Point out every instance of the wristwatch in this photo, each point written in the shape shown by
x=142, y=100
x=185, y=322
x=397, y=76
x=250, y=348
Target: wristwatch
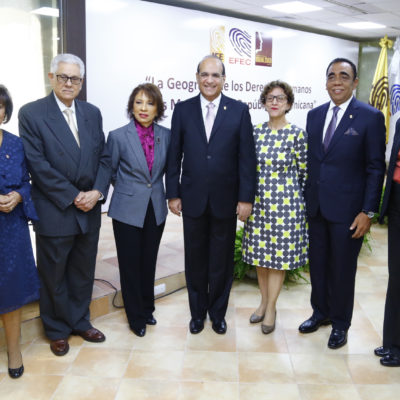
x=370, y=214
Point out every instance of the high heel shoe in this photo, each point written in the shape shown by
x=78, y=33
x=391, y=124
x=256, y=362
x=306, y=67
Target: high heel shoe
x=254, y=318
x=15, y=372
x=266, y=329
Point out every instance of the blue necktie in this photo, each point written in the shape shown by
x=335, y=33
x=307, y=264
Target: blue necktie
x=331, y=128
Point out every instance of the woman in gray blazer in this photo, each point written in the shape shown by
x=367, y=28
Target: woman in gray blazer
x=138, y=206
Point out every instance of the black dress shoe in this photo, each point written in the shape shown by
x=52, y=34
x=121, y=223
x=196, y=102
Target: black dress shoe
x=381, y=351
x=219, y=327
x=312, y=324
x=196, y=325
x=390, y=360
x=338, y=338
x=16, y=372
x=151, y=321
x=139, y=331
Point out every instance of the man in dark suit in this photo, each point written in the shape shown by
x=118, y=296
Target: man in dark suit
x=390, y=351
x=211, y=176
x=70, y=168
x=346, y=166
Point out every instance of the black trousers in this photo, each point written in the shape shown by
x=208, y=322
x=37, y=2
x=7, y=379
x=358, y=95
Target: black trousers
x=209, y=248
x=66, y=267
x=137, y=250
x=333, y=264
x=391, y=323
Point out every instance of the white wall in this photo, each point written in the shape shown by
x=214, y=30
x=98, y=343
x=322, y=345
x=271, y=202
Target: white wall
x=129, y=42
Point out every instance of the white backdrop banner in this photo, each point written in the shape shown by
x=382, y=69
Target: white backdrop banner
x=131, y=42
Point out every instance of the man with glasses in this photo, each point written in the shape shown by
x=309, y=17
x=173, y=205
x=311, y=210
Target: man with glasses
x=346, y=166
x=211, y=177
x=70, y=168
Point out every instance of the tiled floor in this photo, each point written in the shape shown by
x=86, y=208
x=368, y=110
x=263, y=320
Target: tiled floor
x=170, y=363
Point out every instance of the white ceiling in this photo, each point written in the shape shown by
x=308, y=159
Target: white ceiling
x=386, y=12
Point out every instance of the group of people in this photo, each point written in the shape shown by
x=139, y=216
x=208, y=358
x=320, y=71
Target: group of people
x=302, y=195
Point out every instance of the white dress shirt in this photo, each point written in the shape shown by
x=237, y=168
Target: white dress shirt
x=342, y=110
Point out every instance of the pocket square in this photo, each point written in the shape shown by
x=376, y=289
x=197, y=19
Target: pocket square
x=351, y=132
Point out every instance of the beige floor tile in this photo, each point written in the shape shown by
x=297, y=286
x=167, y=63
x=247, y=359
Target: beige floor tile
x=209, y=391
x=163, y=365
x=291, y=318
x=366, y=369
x=172, y=314
x=132, y=389
x=269, y=391
x=100, y=362
x=320, y=369
x=265, y=367
x=86, y=388
x=210, y=366
x=38, y=359
x=32, y=387
x=208, y=340
x=252, y=339
x=310, y=343
x=379, y=392
x=162, y=338
x=329, y=392
x=246, y=298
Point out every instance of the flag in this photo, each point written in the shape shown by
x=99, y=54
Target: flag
x=379, y=96
x=394, y=92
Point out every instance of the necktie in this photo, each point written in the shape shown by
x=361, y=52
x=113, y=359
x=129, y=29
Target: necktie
x=331, y=128
x=210, y=117
x=68, y=112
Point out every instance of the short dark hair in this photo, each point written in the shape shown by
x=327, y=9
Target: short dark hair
x=6, y=100
x=343, y=60
x=211, y=56
x=284, y=86
x=153, y=93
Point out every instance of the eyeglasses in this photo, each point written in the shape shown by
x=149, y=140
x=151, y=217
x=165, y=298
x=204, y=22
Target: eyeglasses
x=75, y=80
x=280, y=99
x=206, y=75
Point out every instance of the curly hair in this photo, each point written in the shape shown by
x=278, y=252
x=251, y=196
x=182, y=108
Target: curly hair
x=280, y=84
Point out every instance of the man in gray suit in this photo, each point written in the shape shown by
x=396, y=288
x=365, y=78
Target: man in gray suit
x=70, y=168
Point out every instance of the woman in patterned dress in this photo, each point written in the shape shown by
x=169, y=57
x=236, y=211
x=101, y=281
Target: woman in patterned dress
x=275, y=238
x=19, y=282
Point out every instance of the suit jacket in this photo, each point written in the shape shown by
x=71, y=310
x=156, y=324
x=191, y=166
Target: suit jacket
x=389, y=178
x=60, y=169
x=221, y=171
x=134, y=186
x=348, y=177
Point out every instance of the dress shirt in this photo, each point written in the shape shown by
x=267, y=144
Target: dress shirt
x=342, y=110
x=63, y=107
x=204, y=102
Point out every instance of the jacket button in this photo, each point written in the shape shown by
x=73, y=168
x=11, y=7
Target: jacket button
x=149, y=185
x=208, y=157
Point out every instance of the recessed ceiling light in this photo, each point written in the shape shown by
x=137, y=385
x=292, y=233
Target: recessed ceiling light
x=362, y=25
x=48, y=11
x=293, y=7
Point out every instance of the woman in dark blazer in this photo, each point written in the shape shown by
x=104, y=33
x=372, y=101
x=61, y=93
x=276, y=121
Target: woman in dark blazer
x=138, y=206
x=19, y=282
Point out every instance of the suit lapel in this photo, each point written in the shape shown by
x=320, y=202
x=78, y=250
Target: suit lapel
x=59, y=126
x=198, y=119
x=132, y=138
x=221, y=114
x=84, y=132
x=320, y=130
x=349, y=116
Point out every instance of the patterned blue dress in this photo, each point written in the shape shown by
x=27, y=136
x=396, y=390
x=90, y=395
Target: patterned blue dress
x=19, y=282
